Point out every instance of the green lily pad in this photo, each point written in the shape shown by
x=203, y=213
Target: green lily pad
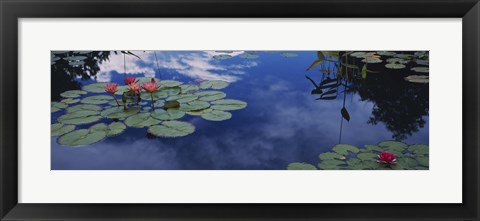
x=249, y=56
x=70, y=101
x=331, y=164
x=80, y=117
x=169, y=114
x=170, y=83
x=419, y=149
x=142, y=80
x=58, y=105
x=171, y=104
x=122, y=89
x=59, y=129
x=397, y=60
x=289, y=55
x=159, y=103
x=199, y=112
x=222, y=56
x=183, y=98
x=405, y=163
x=331, y=156
x=97, y=99
x=301, y=166
x=99, y=127
x=214, y=84
x=80, y=107
x=422, y=79
x=119, y=112
x=420, y=69
x=404, y=56
x=73, y=93
x=367, y=156
x=374, y=148
x=185, y=88
x=141, y=120
x=161, y=93
x=395, y=66
x=345, y=148
x=115, y=128
x=423, y=161
x=194, y=106
x=81, y=137
x=210, y=95
x=75, y=58
x=386, y=53
x=172, y=129
x=356, y=164
x=95, y=87
x=422, y=62
x=216, y=115
x=372, y=60
x=395, y=147
x=228, y=104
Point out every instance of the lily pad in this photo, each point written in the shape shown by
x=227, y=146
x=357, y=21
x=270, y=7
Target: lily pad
x=97, y=99
x=289, y=55
x=120, y=112
x=80, y=107
x=185, y=88
x=142, y=80
x=70, y=101
x=158, y=103
x=121, y=89
x=356, y=164
x=301, y=166
x=420, y=69
x=395, y=147
x=397, y=60
x=171, y=104
x=194, y=106
x=374, y=148
x=216, y=115
x=418, y=149
x=386, y=53
x=403, y=163
x=423, y=161
x=422, y=79
x=222, y=56
x=183, y=98
x=80, y=117
x=372, y=60
x=115, y=128
x=59, y=129
x=170, y=83
x=161, y=93
x=141, y=120
x=331, y=164
x=228, y=104
x=404, y=56
x=422, y=62
x=331, y=156
x=367, y=156
x=210, y=95
x=395, y=66
x=81, y=137
x=99, y=127
x=172, y=129
x=169, y=114
x=214, y=84
x=59, y=105
x=345, y=148
x=95, y=87
x=73, y=93
x=200, y=112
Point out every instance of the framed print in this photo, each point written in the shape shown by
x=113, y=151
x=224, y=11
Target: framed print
x=239, y=110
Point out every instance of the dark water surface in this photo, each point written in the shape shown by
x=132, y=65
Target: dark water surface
x=283, y=123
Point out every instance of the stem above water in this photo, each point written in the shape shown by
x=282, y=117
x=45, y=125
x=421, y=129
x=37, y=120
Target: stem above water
x=153, y=105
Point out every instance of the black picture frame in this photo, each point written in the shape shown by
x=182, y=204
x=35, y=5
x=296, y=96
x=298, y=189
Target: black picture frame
x=12, y=10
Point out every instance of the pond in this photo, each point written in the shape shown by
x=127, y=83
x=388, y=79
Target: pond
x=240, y=110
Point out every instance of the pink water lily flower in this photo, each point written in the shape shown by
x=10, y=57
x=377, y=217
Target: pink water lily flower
x=111, y=88
x=387, y=158
x=134, y=87
x=129, y=80
x=151, y=86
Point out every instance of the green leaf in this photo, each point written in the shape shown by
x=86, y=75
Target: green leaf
x=97, y=99
x=222, y=56
x=170, y=83
x=331, y=164
x=141, y=120
x=188, y=87
x=169, y=114
x=367, y=156
x=301, y=166
x=159, y=103
x=356, y=164
x=58, y=129
x=386, y=53
x=200, y=112
x=119, y=112
x=99, y=127
x=331, y=156
x=210, y=95
x=214, y=84
x=70, y=101
x=423, y=161
x=171, y=104
x=58, y=105
x=289, y=55
x=422, y=79
x=405, y=163
x=216, y=115
x=81, y=137
x=345, y=148
x=80, y=107
x=228, y=104
x=73, y=93
x=364, y=71
x=172, y=129
x=395, y=147
x=194, y=106
x=315, y=63
x=395, y=66
x=374, y=148
x=419, y=149
x=79, y=117
x=115, y=128
x=183, y=98
x=95, y=87
x=142, y=80
x=372, y=60
x=249, y=56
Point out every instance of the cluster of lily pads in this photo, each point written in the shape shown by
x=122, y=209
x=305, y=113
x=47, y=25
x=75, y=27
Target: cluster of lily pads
x=348, y=157
x=171, y=101
x=399, y=61
x=75, y=60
